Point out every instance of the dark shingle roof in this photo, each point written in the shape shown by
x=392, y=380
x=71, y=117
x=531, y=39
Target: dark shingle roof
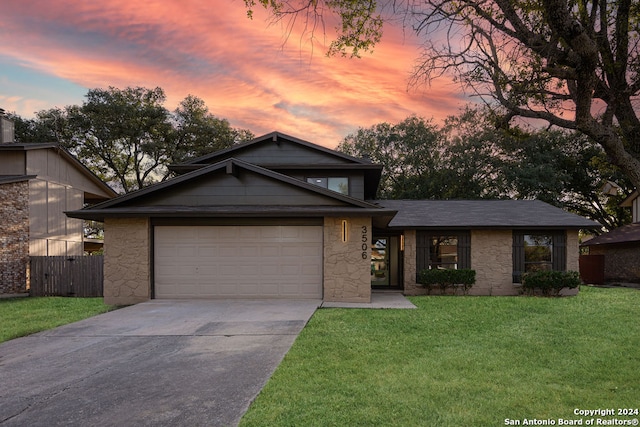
x=625, y=234
x=482, y=214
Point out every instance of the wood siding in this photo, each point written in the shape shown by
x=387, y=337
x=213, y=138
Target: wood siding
x=51, y=232
x=283, y=153
x=50, y=165
x=12, y=163
x=245, y=189
x=80, y=276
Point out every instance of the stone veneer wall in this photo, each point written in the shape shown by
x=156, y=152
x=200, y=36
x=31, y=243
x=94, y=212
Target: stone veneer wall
x=127, y=264
x=573, y=250
x=491, y=258
x=347, y=265
x=410, y=285
x=14, y=237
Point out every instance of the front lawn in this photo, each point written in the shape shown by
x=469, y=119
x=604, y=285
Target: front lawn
x=24, y=316
x=460, y=361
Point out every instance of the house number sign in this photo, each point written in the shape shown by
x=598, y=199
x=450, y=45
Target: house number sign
x=365, y=241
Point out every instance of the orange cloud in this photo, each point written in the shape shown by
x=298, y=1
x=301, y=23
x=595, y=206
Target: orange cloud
x=246, y=71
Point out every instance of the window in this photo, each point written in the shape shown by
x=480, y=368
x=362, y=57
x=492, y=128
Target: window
x=338, y=184
x=443, y=252
x=538, y=251
x=450, y=250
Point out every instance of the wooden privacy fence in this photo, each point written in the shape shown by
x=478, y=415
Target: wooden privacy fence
x=75, y=276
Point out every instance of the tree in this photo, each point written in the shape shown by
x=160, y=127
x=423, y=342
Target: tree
x=574, y=64
x=409, y=152
x=468, y=158
x=421, y=162
x=46, y=127
x=127, y=137
x=123, y=134
x=198, y=132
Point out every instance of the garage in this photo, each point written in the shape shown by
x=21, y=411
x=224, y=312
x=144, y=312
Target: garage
x=271, y=261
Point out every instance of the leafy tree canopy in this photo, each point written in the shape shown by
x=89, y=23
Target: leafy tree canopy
x=574, y=64
x=468, y=158
x=127, y=136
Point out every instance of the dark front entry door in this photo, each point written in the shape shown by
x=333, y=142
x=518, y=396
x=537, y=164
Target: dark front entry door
x=385, y=262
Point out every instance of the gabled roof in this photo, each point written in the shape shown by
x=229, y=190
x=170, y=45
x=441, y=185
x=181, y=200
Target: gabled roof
x=467, y=214
x=192, y=195
x=276, y=138
x=86, y=172
x=290, y=155
x=625, y=234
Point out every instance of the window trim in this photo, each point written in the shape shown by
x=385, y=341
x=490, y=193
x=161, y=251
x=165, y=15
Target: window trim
x=325, y=183
x=558, y=251
x=423, y=247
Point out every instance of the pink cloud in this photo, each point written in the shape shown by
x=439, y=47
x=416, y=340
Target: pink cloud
x=240, y=67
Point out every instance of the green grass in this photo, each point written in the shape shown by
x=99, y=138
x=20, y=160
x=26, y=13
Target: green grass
x=459, y=361
x=23, y=316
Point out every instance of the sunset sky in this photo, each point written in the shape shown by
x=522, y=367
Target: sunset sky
x=53, y=51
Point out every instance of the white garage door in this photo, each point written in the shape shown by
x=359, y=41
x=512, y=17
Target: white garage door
x=238, y=262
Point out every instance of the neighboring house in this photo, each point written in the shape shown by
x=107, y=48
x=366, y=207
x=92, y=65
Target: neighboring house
x=633, y=202
x=38, y=182
x=279, y=217
x=620, y=247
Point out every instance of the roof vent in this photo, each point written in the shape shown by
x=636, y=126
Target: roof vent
x=7, y=132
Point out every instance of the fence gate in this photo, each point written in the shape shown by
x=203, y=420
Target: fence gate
x=77, y=276
x=592, y=269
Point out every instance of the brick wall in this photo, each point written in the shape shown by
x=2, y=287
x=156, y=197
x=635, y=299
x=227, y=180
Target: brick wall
x=621, y=262
x=14, y=237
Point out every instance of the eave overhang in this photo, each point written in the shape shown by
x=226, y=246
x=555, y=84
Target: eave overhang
x=10, y=179
x=125, y=206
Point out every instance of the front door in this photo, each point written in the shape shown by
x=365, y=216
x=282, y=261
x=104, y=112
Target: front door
x=385, y=263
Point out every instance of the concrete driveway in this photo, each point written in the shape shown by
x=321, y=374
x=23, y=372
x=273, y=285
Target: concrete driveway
x=160, y=363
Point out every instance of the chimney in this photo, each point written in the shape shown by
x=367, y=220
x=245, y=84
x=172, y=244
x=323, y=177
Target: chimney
x=7, y=131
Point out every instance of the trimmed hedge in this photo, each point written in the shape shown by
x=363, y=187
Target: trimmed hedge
x=445, y=278
x=550, y=283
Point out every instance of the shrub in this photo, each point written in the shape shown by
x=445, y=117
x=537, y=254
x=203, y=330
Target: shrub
x=550, y=282
x=445, y=278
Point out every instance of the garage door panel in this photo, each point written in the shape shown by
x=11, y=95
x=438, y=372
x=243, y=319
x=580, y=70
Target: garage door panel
x=236, y=261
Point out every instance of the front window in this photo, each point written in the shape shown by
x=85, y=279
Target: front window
x=338, y=184
x=538, y=251
x=443, y=252
x=449, y=249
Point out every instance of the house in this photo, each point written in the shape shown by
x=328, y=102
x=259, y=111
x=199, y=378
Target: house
x=279, y=217
x=619, y=249
x=38, y=182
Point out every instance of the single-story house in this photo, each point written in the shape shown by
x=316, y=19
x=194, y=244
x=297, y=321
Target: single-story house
x=620, y=247
x=279, y=217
